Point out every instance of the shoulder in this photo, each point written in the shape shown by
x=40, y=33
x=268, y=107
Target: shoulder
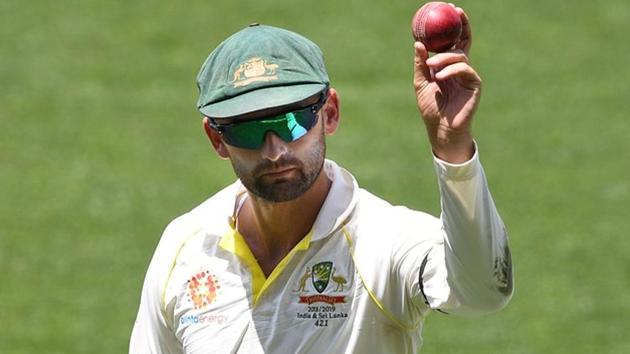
x=376, y=212
x=210, y=217
x=379, y=229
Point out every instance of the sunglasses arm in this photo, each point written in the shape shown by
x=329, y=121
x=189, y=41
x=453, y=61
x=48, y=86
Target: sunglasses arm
x=213, y=124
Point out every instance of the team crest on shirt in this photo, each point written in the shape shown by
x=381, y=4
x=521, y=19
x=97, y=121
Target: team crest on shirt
x=323, y=294
x=320, y=276
x=202, y=289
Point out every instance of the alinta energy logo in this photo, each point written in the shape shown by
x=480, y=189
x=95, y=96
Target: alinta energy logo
x=202, y=289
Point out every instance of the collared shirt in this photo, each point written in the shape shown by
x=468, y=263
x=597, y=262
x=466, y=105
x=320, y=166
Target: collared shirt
x=361, y=281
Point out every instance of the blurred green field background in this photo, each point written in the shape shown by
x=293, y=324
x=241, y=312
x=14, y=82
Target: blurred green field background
x=101, y=146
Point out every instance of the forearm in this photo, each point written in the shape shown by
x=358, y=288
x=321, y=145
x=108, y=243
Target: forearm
x=476, y=250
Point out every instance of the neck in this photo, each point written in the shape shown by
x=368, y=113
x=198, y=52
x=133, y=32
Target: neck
x=271, y=229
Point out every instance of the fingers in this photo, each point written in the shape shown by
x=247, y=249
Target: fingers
x=467, y=76
x=453, y=64
x=443, y=59
x=421, y=72
x=465, y=40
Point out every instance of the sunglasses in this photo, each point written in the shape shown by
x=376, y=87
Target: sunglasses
x=289, y=126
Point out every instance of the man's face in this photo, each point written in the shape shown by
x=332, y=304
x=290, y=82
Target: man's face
x=281, y=171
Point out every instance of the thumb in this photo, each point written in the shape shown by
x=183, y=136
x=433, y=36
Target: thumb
x=421, y=71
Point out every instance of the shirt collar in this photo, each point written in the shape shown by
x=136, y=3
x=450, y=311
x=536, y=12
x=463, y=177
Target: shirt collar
x=335, y=211
x=339, y=203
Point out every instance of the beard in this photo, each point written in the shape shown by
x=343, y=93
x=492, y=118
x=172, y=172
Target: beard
x=286, y=188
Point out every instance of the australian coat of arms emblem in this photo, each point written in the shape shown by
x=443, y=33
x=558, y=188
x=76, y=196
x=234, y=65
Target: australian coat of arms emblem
x=253, y=70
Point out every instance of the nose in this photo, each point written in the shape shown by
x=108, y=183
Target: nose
x=273, y=147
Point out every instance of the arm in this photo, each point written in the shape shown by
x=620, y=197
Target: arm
x=151, y=331
x=471, y=270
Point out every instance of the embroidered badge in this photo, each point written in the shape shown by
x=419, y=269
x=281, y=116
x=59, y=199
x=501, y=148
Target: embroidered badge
x=320, y=308
x=254, y=70
x=320, y=275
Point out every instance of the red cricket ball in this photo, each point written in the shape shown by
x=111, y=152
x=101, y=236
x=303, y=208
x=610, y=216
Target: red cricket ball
x=437, y=25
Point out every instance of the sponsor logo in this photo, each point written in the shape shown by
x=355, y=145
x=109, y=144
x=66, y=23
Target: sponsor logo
x=202, y=289
x=254, y=70
x=202, y=319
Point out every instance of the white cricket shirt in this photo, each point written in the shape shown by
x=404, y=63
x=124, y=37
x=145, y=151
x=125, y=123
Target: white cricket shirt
x=362, y=281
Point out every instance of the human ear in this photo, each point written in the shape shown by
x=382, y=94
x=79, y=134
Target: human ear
x=330, y=112
x=215, y=139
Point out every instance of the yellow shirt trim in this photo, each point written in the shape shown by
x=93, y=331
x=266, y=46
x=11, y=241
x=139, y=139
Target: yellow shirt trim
x=170, y=271
x=234, y=242
x=376, y=301
x=301, y=246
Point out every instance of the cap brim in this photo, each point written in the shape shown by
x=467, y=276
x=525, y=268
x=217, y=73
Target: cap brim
x=261, y=99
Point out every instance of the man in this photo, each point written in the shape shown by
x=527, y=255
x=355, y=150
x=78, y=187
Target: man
x=294, y=257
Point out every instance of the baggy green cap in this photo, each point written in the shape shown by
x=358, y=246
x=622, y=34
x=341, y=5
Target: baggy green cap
x=257, y=68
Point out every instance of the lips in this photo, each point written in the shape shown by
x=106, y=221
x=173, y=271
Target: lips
x=276, y=168
x=279, y=171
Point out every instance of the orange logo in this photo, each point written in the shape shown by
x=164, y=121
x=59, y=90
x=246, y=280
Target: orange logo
x=202, y=289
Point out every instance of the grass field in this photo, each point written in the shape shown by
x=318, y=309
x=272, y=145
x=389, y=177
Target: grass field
x=101, y=146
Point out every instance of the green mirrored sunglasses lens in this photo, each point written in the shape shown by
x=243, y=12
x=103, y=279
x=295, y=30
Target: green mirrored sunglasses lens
x=289, y=127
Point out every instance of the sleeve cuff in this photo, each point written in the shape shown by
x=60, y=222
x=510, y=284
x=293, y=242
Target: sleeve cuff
x=458, y=171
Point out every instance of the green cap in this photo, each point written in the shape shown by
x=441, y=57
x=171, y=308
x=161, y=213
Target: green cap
x=257, y=68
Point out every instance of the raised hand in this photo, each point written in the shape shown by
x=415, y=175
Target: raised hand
x=448, y=90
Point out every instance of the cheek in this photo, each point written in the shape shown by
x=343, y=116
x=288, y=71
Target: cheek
x=312, y=150
x=242, y=169
x=241, y=159
x=313, y=138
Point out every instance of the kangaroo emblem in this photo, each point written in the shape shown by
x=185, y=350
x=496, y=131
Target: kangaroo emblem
x=254, y=69
x=303, y=280
x=340, y=280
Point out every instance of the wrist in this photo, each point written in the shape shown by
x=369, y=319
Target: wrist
x=453, y=148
